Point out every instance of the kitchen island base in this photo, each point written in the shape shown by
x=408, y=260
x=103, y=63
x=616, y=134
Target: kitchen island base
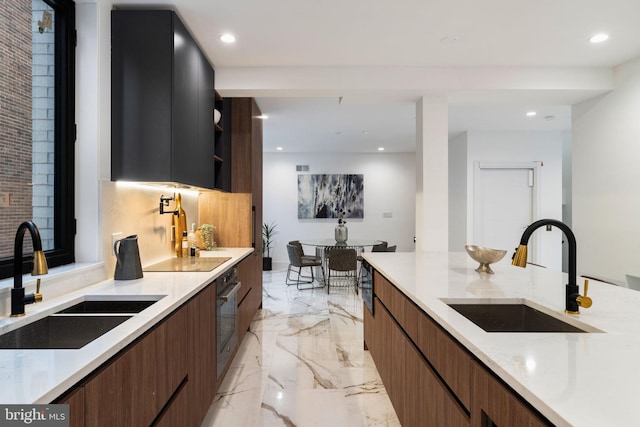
x=430, y=378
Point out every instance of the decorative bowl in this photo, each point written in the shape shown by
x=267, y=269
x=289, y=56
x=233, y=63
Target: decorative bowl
x=485, y=256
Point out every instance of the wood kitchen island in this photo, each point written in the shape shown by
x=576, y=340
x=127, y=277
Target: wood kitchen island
x=439, y=368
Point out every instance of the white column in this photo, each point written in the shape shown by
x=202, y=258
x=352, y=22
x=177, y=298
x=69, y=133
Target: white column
x=432, y=188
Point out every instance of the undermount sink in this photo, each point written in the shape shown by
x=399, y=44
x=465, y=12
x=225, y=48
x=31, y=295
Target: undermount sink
x=109, y=304
x=515, y=316
x=75, y=326
x=60, y=332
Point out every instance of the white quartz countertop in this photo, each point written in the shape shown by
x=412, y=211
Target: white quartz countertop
x=40, y=376
x=574, y=379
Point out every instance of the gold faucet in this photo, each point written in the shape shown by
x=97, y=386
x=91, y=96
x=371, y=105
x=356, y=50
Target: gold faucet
x=584, y=300
x=18, y=298
x=573, y=300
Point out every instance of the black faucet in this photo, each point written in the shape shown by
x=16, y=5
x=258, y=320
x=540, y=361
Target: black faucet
x=573, y=298
x=18, y=298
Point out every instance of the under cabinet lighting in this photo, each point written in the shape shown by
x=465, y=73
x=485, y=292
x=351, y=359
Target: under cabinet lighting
x=262, y=116
x=158, y=186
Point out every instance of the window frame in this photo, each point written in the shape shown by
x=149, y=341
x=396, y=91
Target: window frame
x=64, y=135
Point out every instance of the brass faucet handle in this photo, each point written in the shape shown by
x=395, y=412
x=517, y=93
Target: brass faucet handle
x=37, y=297
x=584, y=300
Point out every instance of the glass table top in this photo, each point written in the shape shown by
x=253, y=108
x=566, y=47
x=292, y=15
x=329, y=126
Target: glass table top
x=349, y=243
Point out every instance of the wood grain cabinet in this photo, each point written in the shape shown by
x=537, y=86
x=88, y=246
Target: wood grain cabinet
x=418, y=395
x=162, y=101
x=431, y=379
x=167, y=377
x=238, y=214
x=202, y=353
x=75, y=400
x=139, y=384
x=246, y=160
x=494, y=404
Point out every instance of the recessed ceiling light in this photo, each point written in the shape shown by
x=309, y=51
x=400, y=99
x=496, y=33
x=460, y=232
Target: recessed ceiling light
x=531, y=113
x=228, y=38
x=599, y=38
x=380, y=148
x=279, y=148
x=364, y=132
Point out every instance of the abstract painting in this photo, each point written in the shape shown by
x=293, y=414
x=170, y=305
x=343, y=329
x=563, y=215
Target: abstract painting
x=330, y=196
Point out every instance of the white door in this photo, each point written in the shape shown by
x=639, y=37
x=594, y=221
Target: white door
x=503, y=208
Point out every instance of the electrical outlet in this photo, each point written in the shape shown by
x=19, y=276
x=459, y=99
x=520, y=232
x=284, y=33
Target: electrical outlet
x=114, y=237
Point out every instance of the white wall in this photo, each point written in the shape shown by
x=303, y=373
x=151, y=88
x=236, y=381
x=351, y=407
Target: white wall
x=389, y=186
x=517, y=146
x=606, y=178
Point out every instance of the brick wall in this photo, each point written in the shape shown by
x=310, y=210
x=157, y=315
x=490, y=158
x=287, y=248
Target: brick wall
x=15, y=118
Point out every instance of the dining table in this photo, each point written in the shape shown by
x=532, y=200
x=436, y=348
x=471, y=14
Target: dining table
x=321, y=245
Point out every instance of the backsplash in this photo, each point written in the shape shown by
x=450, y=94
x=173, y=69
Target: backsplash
x=135, y=210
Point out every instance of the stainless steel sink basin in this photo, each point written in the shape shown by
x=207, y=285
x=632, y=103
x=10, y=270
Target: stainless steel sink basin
x=96, y=304
x=516, y=317
x=107, y=307
x=75, y=326
x=60, y=332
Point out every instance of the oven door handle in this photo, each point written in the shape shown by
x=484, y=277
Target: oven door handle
x=234, y=290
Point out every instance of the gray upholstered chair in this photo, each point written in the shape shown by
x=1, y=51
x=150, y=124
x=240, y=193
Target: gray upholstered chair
x=380, y=247
x=344, y=261
x=296, y=261
x=298, y=245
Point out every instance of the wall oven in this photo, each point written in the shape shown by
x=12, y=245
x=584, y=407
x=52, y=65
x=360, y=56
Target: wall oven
x=227, y=287
x=366, y=280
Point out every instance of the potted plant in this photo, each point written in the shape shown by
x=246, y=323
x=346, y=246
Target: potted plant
x=268, y=231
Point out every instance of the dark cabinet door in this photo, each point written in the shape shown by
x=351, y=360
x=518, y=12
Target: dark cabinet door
x=162, y=101
x=141, y=94
x=204, y=160
x=186, y=70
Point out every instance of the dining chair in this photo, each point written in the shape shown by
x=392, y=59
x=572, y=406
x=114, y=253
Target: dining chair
x=344, y=261
x=298, y=245
x=299, y=262
x=380, y=247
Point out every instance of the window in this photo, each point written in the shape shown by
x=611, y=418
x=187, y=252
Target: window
x=37, y=130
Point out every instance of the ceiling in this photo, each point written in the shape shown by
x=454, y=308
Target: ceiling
x=446, y=36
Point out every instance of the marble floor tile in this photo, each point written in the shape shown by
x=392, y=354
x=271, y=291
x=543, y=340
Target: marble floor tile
x=303, y=364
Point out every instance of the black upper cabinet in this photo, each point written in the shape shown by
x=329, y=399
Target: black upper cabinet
x=162, y=101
